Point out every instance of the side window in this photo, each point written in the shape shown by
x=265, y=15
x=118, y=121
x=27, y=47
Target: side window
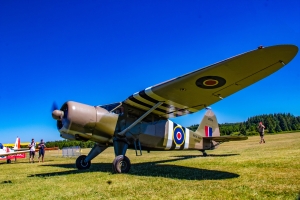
x=119, y=111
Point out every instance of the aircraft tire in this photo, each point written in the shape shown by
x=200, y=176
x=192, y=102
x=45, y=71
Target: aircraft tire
x=8, y=161
x=121, y=164
x=80, y=164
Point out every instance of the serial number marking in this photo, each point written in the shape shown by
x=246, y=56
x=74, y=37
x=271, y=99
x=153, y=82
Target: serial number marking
x=196, y=136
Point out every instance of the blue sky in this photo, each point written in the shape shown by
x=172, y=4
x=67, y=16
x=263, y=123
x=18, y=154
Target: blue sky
x=99, y=52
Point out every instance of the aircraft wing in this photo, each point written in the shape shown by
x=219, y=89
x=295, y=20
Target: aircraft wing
x=13, y=153
x=226, y=138
x=22, y=149
x=194, y=91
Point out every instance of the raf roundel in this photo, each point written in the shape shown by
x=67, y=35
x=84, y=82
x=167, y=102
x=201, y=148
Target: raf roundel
x=210, y=82
x=178, y=135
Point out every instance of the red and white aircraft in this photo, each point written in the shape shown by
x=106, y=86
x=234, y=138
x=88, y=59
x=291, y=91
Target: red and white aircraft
x=7, y=153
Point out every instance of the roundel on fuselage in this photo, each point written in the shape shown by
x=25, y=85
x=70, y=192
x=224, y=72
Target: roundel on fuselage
x=178, y=135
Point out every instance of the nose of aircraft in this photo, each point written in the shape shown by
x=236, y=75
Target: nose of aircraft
x=74, y=116
x=57, y=114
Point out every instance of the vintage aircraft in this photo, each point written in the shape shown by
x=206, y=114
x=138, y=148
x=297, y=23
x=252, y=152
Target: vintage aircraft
x=7, y=153
x=142, y=120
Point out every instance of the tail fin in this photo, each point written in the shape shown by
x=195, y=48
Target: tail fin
x=209, y=126
x=17, y=144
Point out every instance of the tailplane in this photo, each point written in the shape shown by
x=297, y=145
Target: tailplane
x=209, y=130
x=209, y=126
x=17, y=144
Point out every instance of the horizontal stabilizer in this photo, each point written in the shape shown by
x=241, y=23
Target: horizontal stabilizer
x=226, y=138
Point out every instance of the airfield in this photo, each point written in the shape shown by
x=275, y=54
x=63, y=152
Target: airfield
x=236, y=170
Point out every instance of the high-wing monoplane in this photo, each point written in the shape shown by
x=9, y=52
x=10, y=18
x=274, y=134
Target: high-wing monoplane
x=142, y=121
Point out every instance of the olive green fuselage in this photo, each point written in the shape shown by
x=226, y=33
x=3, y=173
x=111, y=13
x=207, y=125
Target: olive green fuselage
x=96, y=123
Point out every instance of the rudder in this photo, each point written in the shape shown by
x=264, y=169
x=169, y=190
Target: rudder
x=209, y=126
x=17, y=144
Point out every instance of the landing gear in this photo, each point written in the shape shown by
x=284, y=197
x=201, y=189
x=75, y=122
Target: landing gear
x=8, y=161
x=84, y=162
x=204, y=153
x=121, y=164
x=81, y=164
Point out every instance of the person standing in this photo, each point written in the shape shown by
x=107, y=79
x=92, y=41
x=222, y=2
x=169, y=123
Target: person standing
x=261, y=130
x=42, y=147
x=32, y=151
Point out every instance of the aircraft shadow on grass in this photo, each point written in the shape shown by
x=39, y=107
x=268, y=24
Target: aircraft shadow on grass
x=19, y=162
x=155, y=169
x=209, y=155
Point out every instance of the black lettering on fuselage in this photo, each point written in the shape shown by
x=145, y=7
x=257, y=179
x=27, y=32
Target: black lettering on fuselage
x=196, y=136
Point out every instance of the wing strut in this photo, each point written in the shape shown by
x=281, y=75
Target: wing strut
x=122, y=133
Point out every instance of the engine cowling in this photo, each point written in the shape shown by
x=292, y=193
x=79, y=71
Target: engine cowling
x=84, y=122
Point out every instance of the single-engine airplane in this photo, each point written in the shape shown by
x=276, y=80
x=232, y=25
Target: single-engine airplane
x=7, y=153
x=142, y=120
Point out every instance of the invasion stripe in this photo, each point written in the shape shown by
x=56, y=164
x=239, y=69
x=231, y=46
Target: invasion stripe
x=142, y=99
x=173, y=146
x=133, y=104
x=146, y=105
x=132, y=98
x=156, y=111
x=154, y=96
x=145, y=96
x=187, y=138
x=170, y=132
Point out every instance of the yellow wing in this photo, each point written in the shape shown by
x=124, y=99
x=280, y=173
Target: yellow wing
x=196, y=90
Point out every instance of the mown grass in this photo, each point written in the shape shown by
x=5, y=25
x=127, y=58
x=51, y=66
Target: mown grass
x=236, y=170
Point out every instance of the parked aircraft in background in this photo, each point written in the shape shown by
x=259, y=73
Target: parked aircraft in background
x=142, y=120
x=8, y=154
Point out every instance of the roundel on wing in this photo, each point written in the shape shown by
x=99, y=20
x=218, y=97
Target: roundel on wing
x=178, y=135
x=210, y=82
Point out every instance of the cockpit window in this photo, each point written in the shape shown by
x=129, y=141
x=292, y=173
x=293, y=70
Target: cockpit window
x=111, y=107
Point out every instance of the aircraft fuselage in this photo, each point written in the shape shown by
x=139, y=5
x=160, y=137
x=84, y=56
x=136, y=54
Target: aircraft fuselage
x=84, y=122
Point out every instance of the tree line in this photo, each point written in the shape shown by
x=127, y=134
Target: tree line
x=274, y=123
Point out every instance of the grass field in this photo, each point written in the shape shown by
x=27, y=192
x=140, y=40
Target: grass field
x=236, y=170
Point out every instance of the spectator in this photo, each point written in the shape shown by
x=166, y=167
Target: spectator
x=32, y=150
x=42, y=147
x=261, y=130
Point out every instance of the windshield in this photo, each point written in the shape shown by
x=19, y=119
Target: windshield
x=111, y=107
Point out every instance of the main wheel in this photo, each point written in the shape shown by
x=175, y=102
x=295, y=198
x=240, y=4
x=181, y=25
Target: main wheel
x=80, y=164
x=8, y=161
x=121, y=164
